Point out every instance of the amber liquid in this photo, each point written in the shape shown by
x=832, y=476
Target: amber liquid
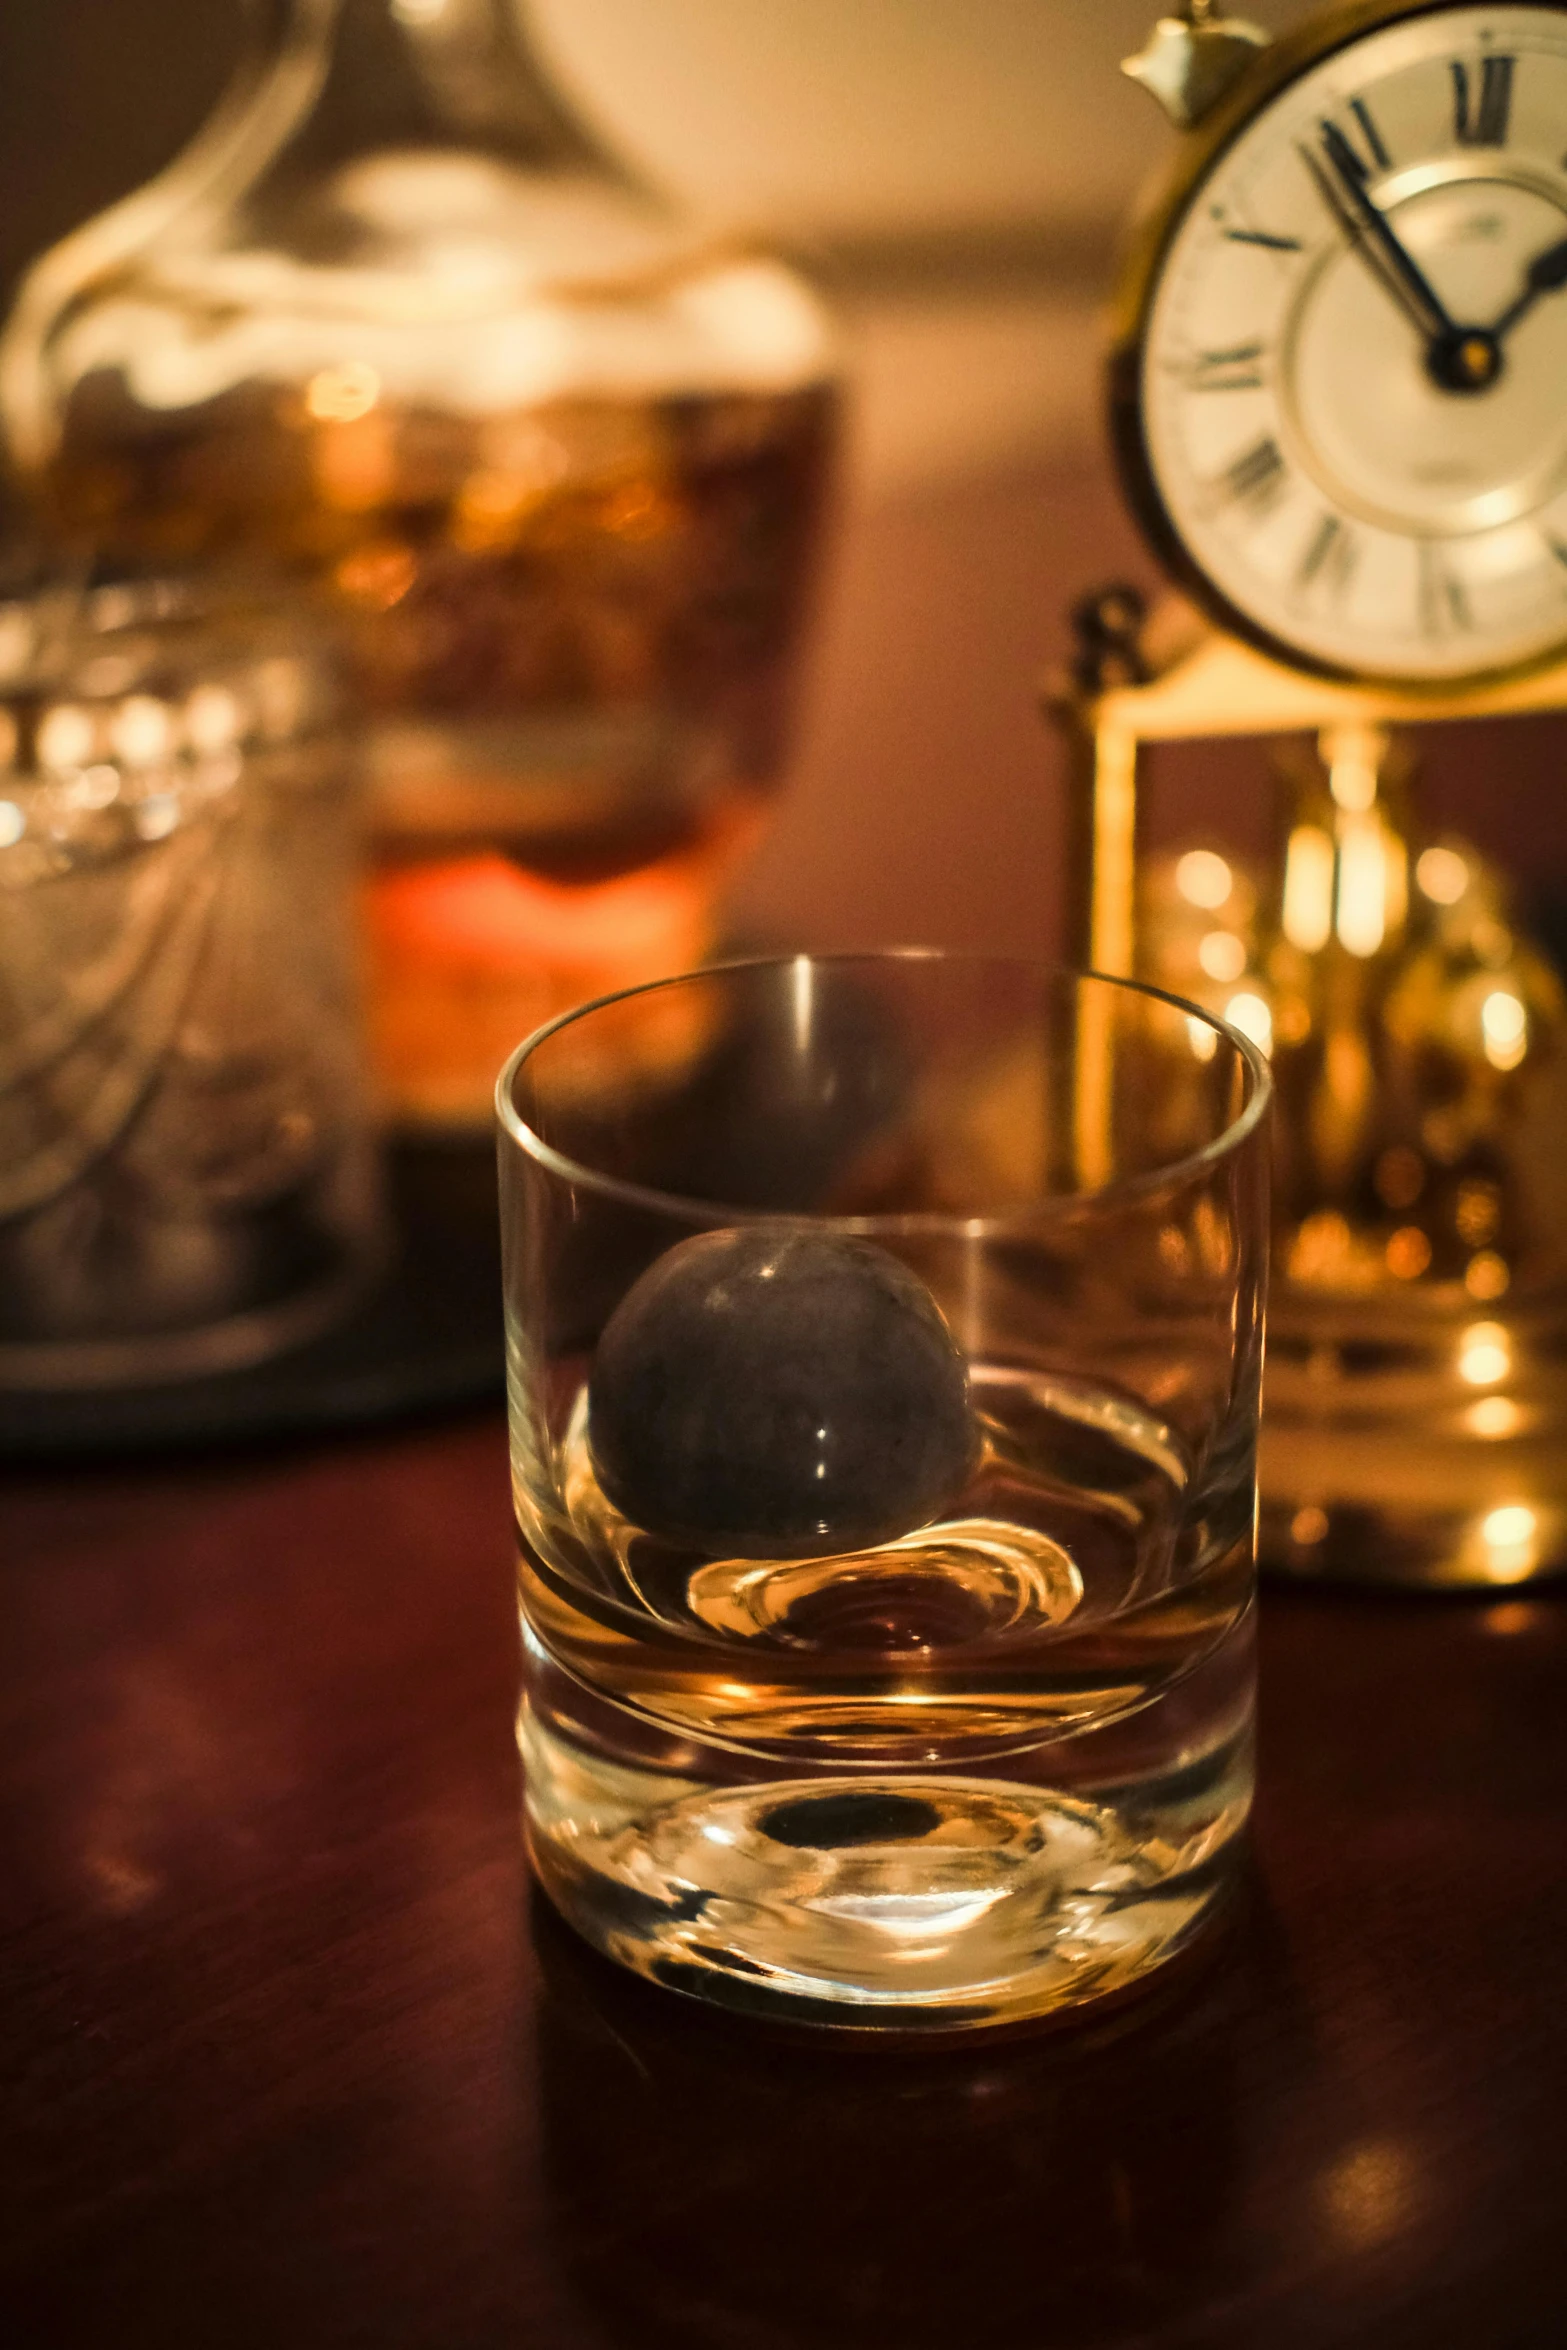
x=575, y=628
x=1060, y=1591
x=998, y=1766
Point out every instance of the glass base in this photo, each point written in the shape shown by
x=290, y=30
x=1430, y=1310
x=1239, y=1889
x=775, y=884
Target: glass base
x=900, y=1902
x=237, y=1342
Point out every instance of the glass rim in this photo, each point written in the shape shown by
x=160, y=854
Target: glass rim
x=1059, y=1208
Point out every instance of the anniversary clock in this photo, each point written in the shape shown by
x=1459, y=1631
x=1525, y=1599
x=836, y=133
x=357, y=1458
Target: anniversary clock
x=1338, y=399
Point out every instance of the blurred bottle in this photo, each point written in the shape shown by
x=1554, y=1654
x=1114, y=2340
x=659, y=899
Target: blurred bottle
x=397, y=326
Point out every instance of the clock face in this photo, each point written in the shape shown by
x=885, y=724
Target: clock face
x=1354, y=366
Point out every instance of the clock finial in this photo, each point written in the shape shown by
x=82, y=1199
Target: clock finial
x=1192, y=60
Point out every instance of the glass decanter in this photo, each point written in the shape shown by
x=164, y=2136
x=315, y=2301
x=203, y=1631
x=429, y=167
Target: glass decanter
x=397, y=327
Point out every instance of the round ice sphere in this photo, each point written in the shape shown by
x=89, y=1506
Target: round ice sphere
x=774, y=1392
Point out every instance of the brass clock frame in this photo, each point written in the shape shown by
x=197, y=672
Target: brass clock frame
x=1211, y=686
x=1152, y=236
x=1376, y=1474
x=1216, y=686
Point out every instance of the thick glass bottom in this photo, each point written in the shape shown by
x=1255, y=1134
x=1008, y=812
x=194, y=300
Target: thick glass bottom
x=895, y=1900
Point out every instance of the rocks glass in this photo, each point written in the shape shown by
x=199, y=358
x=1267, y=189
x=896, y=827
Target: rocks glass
x=884, y=1383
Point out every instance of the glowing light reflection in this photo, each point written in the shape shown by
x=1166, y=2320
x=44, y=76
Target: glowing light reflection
x=342, y=394
x=1485, y=1354
x=213, y=720
x=1204, y=879
x=1308, y=888
x=65, y=737
x=1504, y=1024
x=1252, y=1017
x=1510, y=1539
x=143, y=730
x=1443, y=876
x=1487, y=1276
x=1369, y=2193
x=1222, y=955
x=1361, y=916
x=804, y=1003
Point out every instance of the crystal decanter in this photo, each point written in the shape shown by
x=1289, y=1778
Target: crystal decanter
x=397, y=328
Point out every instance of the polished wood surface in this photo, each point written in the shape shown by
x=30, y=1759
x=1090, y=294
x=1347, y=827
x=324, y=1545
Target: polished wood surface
x=290, y=2059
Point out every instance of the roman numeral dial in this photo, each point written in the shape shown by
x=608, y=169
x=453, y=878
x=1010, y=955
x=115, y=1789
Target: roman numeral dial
x=1328, y=563
x=1350, y=343
x=1369, y=132
x=1443, y=596
x=1483, y=101
x=1239, y=369
x=1254, y=479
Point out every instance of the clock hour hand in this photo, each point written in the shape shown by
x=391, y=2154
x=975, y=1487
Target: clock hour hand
x=1341, y=181
x=1546, y=274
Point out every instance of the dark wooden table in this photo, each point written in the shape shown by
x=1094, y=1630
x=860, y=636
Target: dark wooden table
x=289, y=2060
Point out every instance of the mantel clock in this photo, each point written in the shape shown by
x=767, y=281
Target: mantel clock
x=1338, y=400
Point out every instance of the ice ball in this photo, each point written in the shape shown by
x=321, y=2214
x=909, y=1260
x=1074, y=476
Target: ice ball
x=778, y=1392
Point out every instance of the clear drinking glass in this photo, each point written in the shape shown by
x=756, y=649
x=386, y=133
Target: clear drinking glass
x=884, y=1381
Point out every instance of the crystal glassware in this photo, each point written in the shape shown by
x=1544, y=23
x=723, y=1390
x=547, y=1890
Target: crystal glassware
x=187, y=1174
x=397, y=326
x=884, y=1385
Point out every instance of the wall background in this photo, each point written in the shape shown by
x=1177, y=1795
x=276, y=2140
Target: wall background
x=879, y=116
x=819, y=118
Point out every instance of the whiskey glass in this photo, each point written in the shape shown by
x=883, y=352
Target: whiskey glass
x=884, y=1347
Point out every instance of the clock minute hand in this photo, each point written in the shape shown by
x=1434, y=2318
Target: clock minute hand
x=1546, y=274
x=1346, y=191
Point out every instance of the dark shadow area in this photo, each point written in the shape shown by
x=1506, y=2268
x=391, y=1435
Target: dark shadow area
x=427, y=1338
x=95, y=96
x=716, y=2186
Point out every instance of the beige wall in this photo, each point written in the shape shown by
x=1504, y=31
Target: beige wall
x=812, y=117
x=863, y=116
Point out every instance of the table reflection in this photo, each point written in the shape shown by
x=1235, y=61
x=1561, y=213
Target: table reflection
x=711, y=2183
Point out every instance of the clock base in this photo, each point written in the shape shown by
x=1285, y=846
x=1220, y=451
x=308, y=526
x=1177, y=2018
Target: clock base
x=1426, y=1450
x=1415, y=1419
